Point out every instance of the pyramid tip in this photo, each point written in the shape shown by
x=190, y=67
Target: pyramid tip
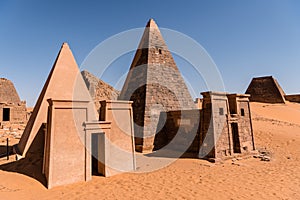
x=65, y=44
x=151, y=23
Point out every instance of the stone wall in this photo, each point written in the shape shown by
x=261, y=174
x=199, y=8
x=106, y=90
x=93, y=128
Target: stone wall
x=266, y=90
x=226, y=126
x=12, y=109
x=293, y=98
x=180, y=131
x=220, y=111
x=198, y=102
x=17, y=113
x=242, y=116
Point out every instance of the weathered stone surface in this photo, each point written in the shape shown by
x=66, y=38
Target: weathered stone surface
x=155, y=85
x=99, y=90
x=180, y=131
x=293, y=98
x=8, y=92
x=12, y=109
x=226, y=126
x=266, y=90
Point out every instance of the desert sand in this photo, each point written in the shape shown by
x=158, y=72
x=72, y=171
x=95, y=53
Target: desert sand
x=277, y=132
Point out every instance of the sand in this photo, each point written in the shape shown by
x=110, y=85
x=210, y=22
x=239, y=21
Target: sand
x=277, y=131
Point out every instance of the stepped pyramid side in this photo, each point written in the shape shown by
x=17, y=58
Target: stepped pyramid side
x=266, y=90
x=12, y=109
x=8, y=92
x=64, y=83
x=99, y=90
x=155, y=85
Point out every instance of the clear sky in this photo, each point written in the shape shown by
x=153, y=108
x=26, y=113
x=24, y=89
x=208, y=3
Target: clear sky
x=244, y=38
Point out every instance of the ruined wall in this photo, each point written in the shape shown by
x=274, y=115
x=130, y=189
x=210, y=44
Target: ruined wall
x=245, y=126
x=221, y=128
x=12, y=109
x=266, y=90
x=98, y=89
x=180, y=131
x=293, y=98
x=214, y=136
x=198, y=102
x=226, y=126
x=17, y=113
x=206, y=130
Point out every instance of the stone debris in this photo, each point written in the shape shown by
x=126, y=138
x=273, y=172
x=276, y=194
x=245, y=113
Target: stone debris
x=12, y=131
x=263, y=155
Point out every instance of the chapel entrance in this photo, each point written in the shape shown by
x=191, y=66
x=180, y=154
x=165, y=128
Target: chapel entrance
x=6, y=114
x=97, y=153
x=235, y=138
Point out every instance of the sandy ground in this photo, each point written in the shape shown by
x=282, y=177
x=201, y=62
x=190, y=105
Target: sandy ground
x=277, y=130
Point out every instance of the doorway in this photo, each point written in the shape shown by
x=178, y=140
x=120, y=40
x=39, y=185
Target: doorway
x=6, y=114
x=235, y=138
x=98, y=153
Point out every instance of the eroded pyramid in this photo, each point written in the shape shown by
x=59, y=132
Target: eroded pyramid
x=266, y=90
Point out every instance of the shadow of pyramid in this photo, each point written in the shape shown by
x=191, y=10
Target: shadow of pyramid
x=32, y=164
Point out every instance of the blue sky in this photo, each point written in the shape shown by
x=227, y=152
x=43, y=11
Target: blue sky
x=244, y=38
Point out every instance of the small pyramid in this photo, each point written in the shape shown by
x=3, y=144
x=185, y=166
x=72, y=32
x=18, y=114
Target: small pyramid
x=266, y=90
x=155, y=85
x=64, y=83
x=8, y=92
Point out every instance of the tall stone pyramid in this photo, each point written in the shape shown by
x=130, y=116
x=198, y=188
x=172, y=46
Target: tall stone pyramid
x=155, y=85
x=64, y=83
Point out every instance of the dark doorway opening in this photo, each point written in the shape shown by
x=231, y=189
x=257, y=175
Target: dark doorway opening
x=97, y=153
x=242, y=112
x=95, y=146
x=235, y=138
x=6, y=114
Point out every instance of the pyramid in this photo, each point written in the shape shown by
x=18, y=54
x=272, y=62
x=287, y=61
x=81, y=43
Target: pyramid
x=99, y=90
x=266, y=90
x=155, y=85
x=8, y=92
x=64, y=77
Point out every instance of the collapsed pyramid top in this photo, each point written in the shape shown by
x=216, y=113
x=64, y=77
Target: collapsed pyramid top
x=266, y=89
x=8, y=92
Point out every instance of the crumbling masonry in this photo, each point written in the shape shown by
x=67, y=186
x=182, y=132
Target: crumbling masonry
x=12, y=109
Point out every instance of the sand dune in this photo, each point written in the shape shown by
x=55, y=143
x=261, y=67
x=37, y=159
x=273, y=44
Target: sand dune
x=277, y=131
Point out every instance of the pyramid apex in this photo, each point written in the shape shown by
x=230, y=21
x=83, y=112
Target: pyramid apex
x=151, y=23
x=65, y=44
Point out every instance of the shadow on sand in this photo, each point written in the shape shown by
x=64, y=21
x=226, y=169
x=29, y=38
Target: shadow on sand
x=32, y=164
